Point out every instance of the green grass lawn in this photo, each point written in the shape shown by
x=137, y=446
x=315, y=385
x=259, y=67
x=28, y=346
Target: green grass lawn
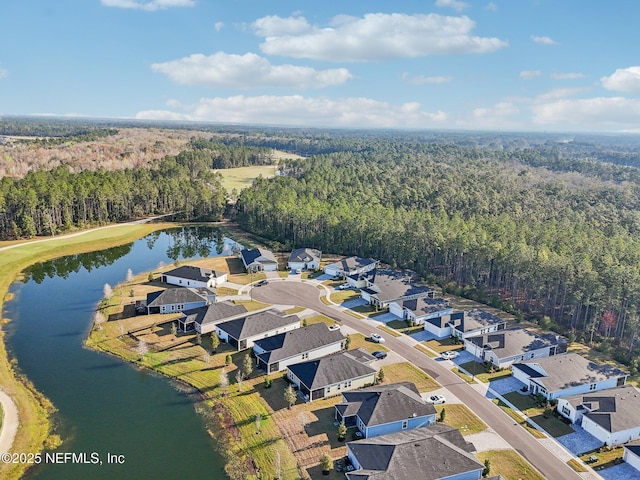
x=404, y=326
x=344, y=296
x=607, y=457
x=527, y=405
x=460, y=417
x=242, y=177
x=425, y=350
x=443, y=345
x=390, y=331
x=360, y=341
x=509, y=464
x=480, y=372
x=407, y=372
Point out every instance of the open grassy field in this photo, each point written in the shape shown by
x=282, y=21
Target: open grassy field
x=509, y=464
x=242, y=177
x=460, y=417
x=33, y=409
x=407, y=372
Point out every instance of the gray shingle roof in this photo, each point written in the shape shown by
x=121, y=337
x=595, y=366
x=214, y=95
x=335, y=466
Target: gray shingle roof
x=425, y=306
x=352, y=264
x=515, y=341
x=477, y=318
x=386, y=403
x=335, y=368
x=305, y=255
x=393, y=284
x=568, y=370
x=259, y=255
x=633, y=447
x=257, y=324
x=191, y=272
x=428, y=453
x=295, y=342
x=214, y=313
x=172, y=296
x=614, y=409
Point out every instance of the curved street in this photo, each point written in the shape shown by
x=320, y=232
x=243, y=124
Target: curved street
x=307, y=294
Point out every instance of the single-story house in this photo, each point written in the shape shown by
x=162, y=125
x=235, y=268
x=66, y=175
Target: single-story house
x=384, y=409
x=568, y=374
x=390, y=286
x=503, y=347
x=276, y=353
x=476, y=322
x=172, y=300
x=350, y=266
x=204, y=319
x=631, y=455
x=437, y=452
x=304, y=259
x=191, y=276
x=611, y=415
x=331, y=375
x=243, y=331
x=258, y=259
x=418, y=310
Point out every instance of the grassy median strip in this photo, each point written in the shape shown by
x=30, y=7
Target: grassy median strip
x=425, y=350
x=390, y=331
x=577, y=466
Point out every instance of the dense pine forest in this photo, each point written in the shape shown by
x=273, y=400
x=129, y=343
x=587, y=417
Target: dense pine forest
x=528, y=229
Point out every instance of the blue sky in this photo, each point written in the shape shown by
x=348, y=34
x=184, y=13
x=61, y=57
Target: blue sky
x=532, y=65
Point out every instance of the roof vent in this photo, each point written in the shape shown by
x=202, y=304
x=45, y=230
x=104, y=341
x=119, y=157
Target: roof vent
x=414, y=414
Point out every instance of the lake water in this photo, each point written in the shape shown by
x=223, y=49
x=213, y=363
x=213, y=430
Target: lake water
x=105, y=405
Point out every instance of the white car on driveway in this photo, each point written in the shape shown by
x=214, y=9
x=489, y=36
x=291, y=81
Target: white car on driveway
x=450, y=355
x=436, y=399
x=376, y=338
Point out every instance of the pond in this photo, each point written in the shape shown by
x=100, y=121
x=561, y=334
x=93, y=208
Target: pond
x=106, y=406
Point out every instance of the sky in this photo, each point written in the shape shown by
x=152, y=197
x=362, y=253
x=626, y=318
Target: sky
x=505, y=65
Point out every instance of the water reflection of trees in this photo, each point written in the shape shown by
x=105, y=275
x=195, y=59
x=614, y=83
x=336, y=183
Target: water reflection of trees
x=185, y=242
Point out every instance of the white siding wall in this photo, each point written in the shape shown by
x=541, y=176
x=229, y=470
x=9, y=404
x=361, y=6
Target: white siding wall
x=366, y=296
x=632, y=459
x=270, y=267
x=222, y=334
x=520, y=375
x=566, y=410
x=295, y=265
x=437, y=331
x=586, y=388
x=271, y=333
x=396, y=309
x=331, y=270
x=609, y=438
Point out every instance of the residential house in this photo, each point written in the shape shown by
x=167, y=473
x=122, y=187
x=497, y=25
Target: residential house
x=362, y=279
x=384, y=409
x=418, y=310
x=204, y=319
x=350, y=266
x=258, y=259
x=276, y=353
x=611, y=415
x=389, y=286
x=191, y=276
x=503, y=347
x=631, y=455
x=476, y=322
x=437, y=452
x=331, y=375
x=172, y=300
x=565, y=375
x=304, y=259
x=242, y=332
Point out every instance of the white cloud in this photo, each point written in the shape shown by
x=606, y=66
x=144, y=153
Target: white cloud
x=492, y=7
x=218, y=26
x=503, y=115
x=423, y=80
x=457, y=5
x=543, y=40
x=298, y=110
x=559, y=93
x=529, y=74
x=376, y=36
x=567, y=76
x=623, y=80
x=149, y=6
x=246, y=71
x=600, y=113
x=3, y=73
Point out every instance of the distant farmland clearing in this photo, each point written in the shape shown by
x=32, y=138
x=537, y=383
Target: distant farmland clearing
x=241, y=177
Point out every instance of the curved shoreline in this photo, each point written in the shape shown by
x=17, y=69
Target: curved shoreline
x=10, y=422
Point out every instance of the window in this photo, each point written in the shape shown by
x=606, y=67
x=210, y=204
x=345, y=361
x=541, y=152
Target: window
x=405, y=424
x=305, y=356
x=592, y=387
x=348, y=384
x=180, y=282
x=566, y=410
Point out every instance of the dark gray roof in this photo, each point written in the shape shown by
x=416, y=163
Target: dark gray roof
x=425, y=306
x=386, y=403
x=515, y=341
x=295, y=342
x=448, y=319
x=214, y=313
x=569, y=370
x=259, y=255
x=393, y=284
x=428, y=453
x=614, y=409
x=191, y=272
x=477, y=318
x=352, y=264
x=172, y=296
x=335, y=368
x=634, y=448
x=257, y=323
x=305, y=255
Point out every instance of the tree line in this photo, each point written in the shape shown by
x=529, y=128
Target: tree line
x=556, y=244
x=226, y=156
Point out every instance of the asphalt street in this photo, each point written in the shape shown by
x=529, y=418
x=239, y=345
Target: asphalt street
x=308, y=295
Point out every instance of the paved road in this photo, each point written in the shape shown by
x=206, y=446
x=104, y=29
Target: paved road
x=308, y=295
